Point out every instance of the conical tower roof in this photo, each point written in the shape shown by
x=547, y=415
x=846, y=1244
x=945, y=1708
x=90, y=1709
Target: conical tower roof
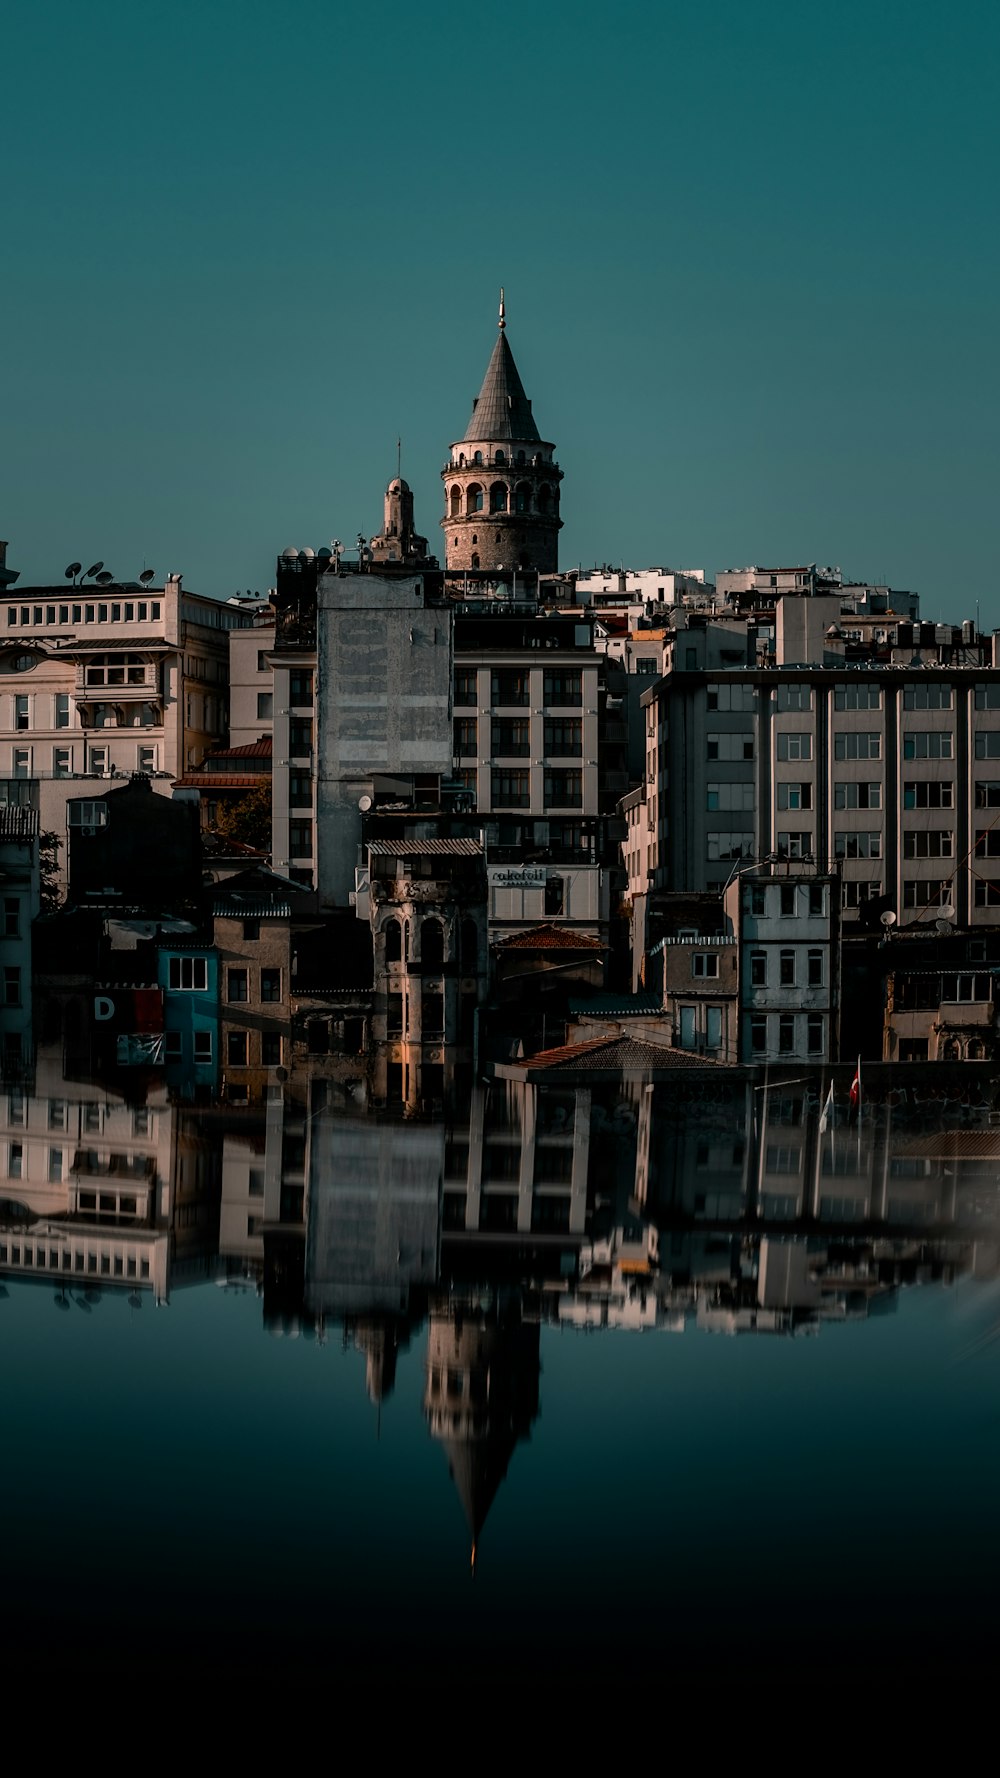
x=501, y=409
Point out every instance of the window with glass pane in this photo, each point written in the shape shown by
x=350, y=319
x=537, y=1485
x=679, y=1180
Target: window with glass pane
x=466, y=737
x=564, y=737
x=563, y=790
x=270, y=984
x=188, y=973
x=510, y=737
x=466, y=686
x=563, y=686
x=510, y=685
x=510, y=789
x=237, y=985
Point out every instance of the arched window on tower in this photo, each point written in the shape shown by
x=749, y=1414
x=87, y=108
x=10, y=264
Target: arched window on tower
x=393, y=941
x=501, y=457
x=431, y=944
x=475, y=562
x=522, y=497
x=477, y=456
x=473, y=498
x=461, y=458
x=544, y=499
x=498, y=497
x=520, y=457
x=456, y=502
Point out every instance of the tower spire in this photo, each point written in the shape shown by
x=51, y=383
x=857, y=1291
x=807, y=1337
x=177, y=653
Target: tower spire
x=503, y=312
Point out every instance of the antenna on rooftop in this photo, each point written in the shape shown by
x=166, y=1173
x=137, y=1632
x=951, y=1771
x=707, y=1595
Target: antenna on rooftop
x=72, y=571
x=105, y=579
x=96, y=569
x=147, y=575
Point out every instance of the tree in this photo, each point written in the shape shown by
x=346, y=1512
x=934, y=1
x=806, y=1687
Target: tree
x=248, y=818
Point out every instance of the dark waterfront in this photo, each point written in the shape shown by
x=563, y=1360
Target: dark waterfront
x=707, y=1387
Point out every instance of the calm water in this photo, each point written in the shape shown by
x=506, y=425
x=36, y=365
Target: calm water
x=729, y=1448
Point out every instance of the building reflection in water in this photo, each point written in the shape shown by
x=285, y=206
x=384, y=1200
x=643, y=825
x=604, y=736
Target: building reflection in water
x=573, y=1196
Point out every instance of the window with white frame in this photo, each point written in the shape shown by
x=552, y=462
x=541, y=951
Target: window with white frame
x=795, y=744
x=859, y=744
x=187, y=973
x=928, y=744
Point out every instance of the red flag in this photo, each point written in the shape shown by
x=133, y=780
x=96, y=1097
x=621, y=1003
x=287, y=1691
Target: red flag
x=856, y=1088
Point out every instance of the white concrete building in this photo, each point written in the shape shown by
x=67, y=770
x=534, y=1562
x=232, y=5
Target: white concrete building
x=101, y=682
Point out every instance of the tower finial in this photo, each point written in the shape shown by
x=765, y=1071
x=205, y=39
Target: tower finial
x=503, y=312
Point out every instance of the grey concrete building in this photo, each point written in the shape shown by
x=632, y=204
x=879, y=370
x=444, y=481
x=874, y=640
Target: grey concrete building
x=881, y=759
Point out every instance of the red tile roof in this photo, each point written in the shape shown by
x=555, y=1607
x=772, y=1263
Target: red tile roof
x=616, y=1053
x=261, y=749
x=551, y=938
x=218, y=781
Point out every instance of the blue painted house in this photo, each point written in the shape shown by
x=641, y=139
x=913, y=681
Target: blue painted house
x=188, y=973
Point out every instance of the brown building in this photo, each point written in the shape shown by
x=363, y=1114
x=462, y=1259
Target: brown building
x=501, y=484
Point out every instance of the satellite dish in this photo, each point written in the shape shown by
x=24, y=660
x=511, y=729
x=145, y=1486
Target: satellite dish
x=943, y=926
x=290, y=554
x=72, y=571
x=324, y=554
x=96, y=569
x=889, y=917
x=364, y=804
x=147, y=575
x=105, y=579
x=946, y=913
x=307, y=554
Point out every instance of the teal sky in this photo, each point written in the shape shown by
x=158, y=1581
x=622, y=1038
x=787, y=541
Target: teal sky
x=750, y=254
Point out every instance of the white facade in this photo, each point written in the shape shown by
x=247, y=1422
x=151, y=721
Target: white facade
x=101, y=683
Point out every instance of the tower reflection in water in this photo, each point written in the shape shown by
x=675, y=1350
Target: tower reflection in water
x=616, y=1201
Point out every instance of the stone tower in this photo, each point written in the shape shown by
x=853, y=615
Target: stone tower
x=398, y=540
x=501, y=487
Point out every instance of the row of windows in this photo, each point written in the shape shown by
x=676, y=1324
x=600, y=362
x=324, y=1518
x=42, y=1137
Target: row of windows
x=789, y=969
x=511, y=789
x=510, y=737
x=935, y=695
x=917, y=794
x=67, y=762
x=499, y=499
x=511, y=686
x=92, y=1114
x=398, y=943
x=105, y=1265
x=117, y=611
x=777, y=1032
x=238, y=985
x=922, y=843
x=789, y=899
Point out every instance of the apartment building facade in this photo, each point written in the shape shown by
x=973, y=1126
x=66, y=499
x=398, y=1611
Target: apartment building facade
x=103, y=682
x=887, y=769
